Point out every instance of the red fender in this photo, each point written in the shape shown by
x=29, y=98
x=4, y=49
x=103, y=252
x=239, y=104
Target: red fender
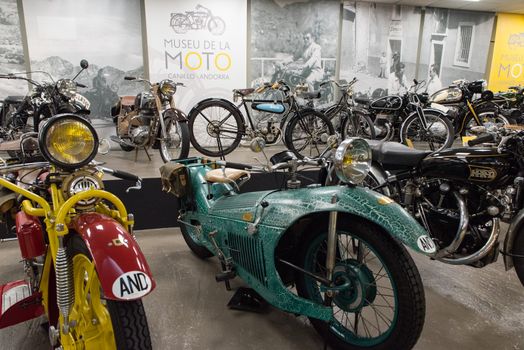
x=121, y=266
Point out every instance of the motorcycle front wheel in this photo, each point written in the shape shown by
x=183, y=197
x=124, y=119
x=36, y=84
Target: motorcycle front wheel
x=518, y=250
x=307, y=132
x=216, y=26
x=357, y=125
x=384, y=305
x=176, y=144
x=106, y=324
x=438, y=135
x=215, y=128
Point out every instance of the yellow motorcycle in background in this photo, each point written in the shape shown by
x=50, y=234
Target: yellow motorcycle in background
x=84, y=269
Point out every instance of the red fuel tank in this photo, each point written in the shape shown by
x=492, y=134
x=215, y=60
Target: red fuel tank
x=30, y=235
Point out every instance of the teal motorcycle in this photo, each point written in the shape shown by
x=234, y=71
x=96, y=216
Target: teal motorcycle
x=334, y=254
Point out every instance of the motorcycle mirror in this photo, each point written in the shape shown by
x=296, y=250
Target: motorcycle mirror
x=257, y=145
x=103, y=146
x=84, y=64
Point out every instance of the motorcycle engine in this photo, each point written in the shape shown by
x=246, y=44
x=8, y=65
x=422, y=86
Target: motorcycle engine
x=268, y=128
x=140, y=134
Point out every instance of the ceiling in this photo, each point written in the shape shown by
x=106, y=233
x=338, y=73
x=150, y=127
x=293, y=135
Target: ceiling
x=511, y=6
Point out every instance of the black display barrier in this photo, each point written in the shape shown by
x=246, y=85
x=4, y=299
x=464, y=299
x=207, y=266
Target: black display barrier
x=153, y=208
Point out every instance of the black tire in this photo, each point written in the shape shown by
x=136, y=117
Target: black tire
x=518, y=249
x=177, y=145
x=440, y=133
x=357, y=125
x=306, y=133
x=208, y=131
x=397, y=265
x=128, y=318
x=198, y=249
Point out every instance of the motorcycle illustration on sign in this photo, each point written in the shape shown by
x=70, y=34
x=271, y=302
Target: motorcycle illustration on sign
x=196, y=20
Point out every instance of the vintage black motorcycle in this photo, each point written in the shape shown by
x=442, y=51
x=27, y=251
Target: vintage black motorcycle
x=404, y=118
x=511, y=103
x=459, y=195
x=459, y=103
x=45, y=100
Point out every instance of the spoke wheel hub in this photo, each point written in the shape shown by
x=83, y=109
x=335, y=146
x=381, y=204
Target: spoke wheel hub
x=362, y=289
x=213, y=128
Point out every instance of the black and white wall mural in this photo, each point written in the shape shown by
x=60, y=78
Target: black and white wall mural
x=379, y=47
x=455, y=45
x=11, y=49
x=295, y=41
x=107, y=33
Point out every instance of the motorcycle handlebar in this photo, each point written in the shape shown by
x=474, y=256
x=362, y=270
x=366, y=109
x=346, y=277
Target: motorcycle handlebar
x=81, y=85
x=481, y=139
x=125, y=176
x=129, y=78
x=233, y=165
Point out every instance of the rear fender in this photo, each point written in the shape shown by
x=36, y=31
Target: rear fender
x=176, y=114
x=193, y=110
x=122, y=268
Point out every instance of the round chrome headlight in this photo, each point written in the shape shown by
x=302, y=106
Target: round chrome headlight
x=68, y=141
x=66, y=87
x=167, y=87
x=353, y=160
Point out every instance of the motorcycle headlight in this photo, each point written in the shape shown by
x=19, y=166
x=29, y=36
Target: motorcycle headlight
x=66, y=87
x=68, y=141
x=353, y=161
x=167, y=87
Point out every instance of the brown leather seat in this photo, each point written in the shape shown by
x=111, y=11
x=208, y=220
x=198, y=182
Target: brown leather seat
x=244, y=92
x=225, y=175
x=127, y=100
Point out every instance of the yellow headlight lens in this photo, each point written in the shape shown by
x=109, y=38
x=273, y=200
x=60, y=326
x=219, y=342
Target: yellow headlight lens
x=353, y=160
x=167, y=87
x=70, y=141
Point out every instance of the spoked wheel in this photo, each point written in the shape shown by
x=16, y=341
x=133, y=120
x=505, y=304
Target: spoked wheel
x=438, y=135
x=307, y=133
x=176, y=144
x=488, y=118
x=101, y=323
x=215, y=128
x=180, y=23
x=382, y=306
x=518, y=250
x=358, y=125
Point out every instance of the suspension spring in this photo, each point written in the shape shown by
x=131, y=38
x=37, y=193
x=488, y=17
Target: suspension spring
x=64, y=283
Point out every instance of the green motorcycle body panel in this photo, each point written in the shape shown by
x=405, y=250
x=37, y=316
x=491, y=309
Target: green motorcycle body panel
x=248, y=233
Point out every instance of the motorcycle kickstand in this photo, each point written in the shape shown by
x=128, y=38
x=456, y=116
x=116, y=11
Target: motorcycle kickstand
x=227, y=272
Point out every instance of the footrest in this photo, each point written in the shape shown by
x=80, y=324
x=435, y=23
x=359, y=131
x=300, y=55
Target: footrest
x=17, y=304
x=246, y=299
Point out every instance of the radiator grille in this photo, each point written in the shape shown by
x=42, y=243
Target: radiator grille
x=248, y=252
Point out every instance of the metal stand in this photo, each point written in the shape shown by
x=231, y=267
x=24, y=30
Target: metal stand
x=246, y=299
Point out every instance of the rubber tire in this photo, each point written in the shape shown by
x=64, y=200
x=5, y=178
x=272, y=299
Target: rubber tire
x=199, y=250
x=184, y=140
x=506, y=120
x=365, y=118
x=518, y=248
x=194, y=113
x=129, y=319
x=288, y=134
x=450, y=134
x=411, y=300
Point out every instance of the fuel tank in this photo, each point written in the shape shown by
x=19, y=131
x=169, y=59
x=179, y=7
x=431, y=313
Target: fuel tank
x=387, y=103
x=447, y=95
x=482, y=166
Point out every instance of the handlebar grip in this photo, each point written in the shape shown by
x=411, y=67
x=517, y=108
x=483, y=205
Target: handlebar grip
x=125, y=175
x=129, y=78
x=238, y=166
x=81, y=85
x=481, y=139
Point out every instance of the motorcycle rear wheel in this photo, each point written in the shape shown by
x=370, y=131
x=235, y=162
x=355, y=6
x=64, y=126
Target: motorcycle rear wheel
x=119, y=325
x=198, y=249
x=358, y=125
x=176, y=146
x=386, y=297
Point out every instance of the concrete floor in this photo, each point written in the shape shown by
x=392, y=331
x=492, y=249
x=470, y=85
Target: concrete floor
x=466, y=308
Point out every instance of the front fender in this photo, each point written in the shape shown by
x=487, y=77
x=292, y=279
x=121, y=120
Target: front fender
x=287, y=207
x=175, y=114
x=122, y=268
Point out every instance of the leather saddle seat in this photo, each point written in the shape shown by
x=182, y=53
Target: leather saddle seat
x=362, y=101
x=14, y=99
x=127, y=100
x=394, y=153
x=310, y=95
x=226, y=175
x=244, y=92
